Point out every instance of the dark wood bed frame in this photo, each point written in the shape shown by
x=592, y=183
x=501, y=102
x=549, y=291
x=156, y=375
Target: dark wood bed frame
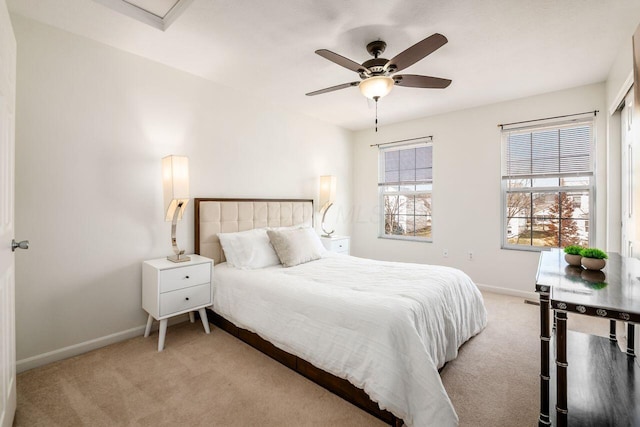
x=336, y=385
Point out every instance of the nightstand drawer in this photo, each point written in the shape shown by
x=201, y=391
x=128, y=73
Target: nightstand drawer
x=336, y=244
x=184, y=277
x=341, y=246
x=184, y=299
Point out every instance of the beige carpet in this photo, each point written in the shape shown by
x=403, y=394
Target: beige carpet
x=217, y=380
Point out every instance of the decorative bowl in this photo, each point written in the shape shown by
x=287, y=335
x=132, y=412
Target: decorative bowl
x=573, y=259
x=593, y=263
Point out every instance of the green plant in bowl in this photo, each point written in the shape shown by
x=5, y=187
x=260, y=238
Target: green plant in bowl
x=593, y=258
x=572, y=255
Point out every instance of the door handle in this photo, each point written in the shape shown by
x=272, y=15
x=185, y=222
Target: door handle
x=19, y=245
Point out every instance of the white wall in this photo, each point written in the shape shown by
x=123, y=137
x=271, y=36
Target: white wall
x=619, y=80
x=93, y=123
x=466, y=194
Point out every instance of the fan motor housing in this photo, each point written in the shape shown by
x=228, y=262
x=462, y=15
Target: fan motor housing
x=376, y=65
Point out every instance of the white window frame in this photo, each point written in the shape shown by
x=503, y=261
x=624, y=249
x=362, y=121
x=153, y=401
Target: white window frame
x=383, y=188
x=590, y=187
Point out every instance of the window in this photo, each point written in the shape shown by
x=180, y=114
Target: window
x=405, y=185
x=548, y=186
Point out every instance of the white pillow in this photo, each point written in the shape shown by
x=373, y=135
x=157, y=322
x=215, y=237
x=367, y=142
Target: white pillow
x=248, y=249
x=296, y=246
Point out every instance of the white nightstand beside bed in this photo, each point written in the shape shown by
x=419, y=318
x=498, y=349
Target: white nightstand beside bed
x=337, y=244
x=170, y=289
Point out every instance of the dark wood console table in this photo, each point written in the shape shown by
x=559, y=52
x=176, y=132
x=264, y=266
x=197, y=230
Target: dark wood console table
x=596, y=384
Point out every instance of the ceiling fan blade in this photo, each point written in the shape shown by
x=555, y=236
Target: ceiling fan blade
x=332, y=88
x=342, y=61
x=416, y=52
x=412, y=80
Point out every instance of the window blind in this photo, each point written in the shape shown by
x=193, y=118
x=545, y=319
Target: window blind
x=560, y=151
x=407, y=166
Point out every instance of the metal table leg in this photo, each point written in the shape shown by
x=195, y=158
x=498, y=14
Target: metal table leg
x=612, y=331
x=561, y=368
x=545, y=337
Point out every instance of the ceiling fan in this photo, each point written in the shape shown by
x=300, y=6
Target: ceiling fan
x=378, y=74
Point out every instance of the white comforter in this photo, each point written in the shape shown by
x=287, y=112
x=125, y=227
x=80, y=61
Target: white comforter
x=386, y=327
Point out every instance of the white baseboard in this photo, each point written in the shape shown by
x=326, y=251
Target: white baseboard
x=505, y=291
x=83, y=347
x=76, y=349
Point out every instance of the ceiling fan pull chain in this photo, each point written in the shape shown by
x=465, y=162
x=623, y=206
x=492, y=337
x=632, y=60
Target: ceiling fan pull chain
x=376, y=99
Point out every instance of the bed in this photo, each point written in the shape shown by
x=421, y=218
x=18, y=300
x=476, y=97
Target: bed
x=370, y=331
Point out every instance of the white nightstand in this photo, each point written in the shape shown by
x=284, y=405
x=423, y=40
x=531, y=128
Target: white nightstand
x=170, y=288
x=338, y=244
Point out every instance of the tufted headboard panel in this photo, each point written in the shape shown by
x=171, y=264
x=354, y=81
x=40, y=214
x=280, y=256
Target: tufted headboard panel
x=214, y=216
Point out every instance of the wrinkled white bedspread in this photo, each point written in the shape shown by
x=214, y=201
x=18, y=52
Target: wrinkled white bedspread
x=386, y=327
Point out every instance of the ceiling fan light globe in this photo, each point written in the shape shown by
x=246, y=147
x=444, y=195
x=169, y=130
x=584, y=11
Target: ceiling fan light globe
x=376, y=87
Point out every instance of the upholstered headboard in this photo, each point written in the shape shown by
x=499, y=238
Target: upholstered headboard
x=214, y=216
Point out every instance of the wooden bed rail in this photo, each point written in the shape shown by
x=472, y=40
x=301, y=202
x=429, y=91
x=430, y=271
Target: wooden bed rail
x=338, y=386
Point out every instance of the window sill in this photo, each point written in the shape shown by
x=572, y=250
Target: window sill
x=406, y=239
x=526, y=248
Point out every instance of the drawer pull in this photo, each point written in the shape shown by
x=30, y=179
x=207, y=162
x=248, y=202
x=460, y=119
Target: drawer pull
x=187, y=298
x=186, y=277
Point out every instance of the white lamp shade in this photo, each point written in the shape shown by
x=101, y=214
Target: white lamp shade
x=328, y=185
x=175, y=183
x=376, y=87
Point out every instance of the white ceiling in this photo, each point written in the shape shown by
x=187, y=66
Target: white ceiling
x=497, y=50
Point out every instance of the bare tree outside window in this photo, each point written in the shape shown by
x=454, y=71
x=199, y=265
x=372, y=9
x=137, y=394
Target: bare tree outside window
x=527, y=218
x=518, y=204
x=408, y=215
x=392, y=206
